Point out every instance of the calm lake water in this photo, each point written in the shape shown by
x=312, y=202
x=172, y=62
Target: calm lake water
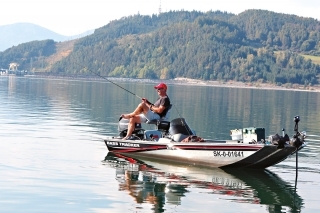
x=53, y=158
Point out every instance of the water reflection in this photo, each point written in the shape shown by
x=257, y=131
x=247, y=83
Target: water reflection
x=160, y=184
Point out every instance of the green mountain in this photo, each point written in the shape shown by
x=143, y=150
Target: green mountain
x=256, y=45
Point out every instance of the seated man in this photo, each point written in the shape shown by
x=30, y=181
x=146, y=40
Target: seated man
x=147, y=111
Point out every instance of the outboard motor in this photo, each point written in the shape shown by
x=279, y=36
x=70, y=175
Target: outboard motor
x=297, y=140
x=123, y=128
x=179, y=129
x=278, y=140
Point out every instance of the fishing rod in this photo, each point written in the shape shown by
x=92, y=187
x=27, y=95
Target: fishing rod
x=190, y=133
x=109, y=81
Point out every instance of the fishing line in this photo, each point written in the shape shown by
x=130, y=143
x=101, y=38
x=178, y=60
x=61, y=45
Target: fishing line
x=183, y=124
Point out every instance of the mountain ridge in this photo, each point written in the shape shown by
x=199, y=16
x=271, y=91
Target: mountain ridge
x=22, y=32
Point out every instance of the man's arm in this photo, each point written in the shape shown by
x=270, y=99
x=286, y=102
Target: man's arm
x=159, y=109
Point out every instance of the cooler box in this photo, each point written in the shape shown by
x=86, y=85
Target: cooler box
x=236, y=134
x=253, y=134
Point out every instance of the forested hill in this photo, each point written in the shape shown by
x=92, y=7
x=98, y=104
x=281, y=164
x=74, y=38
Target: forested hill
x=255, y=45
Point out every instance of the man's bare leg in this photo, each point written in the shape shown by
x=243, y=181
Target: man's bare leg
x=132, y=121
x=141, y=108
x=134, y=118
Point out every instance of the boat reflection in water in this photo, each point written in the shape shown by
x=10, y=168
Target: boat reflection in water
x=160, y=184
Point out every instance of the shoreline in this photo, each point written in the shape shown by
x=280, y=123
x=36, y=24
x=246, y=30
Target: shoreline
x=252, y=85
x=188, y=81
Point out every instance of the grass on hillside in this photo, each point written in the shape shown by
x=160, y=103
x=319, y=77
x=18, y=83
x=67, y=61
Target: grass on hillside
x=63, y=49
x=314, y=59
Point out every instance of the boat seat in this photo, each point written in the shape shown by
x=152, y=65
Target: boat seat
x=164, y=118
x=163, y=123
x=155, y=122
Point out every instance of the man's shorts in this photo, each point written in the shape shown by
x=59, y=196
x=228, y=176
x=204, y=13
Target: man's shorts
x=149, y=116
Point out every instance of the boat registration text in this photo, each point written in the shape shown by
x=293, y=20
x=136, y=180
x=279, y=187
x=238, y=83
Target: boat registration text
x=227, y=153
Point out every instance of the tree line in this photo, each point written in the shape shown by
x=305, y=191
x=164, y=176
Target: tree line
x=256, y=45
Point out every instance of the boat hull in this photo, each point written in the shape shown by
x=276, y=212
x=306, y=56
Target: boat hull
x=208, y=154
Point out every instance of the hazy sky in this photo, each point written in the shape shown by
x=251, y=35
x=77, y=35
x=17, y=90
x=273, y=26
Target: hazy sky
x=72, y=17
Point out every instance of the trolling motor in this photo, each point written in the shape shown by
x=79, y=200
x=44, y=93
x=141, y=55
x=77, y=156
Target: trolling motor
x=296, y=140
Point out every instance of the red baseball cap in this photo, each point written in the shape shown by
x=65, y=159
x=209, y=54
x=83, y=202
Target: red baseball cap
x=161, y=86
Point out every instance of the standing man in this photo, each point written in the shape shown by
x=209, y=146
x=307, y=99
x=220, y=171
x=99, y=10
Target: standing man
x=147, y=111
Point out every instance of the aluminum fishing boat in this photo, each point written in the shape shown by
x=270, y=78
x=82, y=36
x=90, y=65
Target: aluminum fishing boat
x=175, y=141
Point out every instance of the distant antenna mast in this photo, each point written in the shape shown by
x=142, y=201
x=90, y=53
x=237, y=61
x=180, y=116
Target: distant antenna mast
x=160, y=7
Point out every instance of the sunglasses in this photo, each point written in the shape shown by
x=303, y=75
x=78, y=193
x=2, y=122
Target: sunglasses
x=160, y=89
